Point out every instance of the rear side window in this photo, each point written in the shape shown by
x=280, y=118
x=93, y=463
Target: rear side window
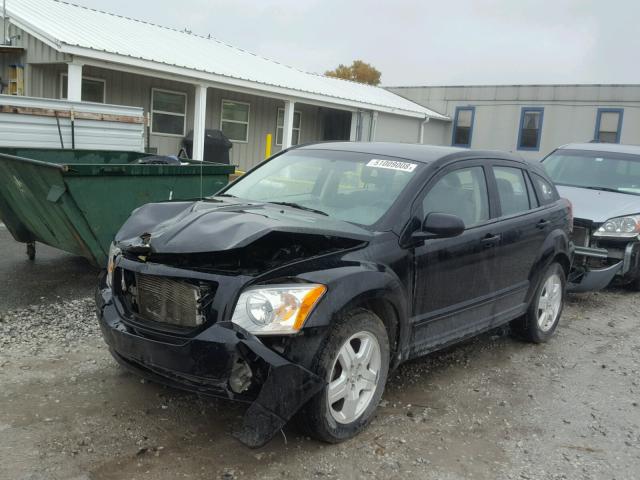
x=512, y=190
x=461, y=192
x=546, y=192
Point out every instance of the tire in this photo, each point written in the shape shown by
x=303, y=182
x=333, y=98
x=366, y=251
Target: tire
x=539, y=324
x=634, y=285
x=346, y=417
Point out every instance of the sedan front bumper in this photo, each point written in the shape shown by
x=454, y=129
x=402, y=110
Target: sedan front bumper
x=205, y=364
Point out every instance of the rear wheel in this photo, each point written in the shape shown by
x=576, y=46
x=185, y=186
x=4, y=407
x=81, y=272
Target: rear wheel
x=543, y=314
x=355, y=362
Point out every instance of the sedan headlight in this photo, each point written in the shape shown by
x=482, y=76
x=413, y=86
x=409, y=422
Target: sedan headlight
x=276, y=309
x=620, y=227
x=111, y=263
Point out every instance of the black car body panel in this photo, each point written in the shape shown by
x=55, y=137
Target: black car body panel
x=430, y=293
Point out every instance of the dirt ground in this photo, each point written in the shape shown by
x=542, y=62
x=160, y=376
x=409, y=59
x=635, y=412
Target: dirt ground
x=493, y=408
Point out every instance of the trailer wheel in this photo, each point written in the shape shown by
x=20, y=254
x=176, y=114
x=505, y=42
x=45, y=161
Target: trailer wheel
x=31, y=250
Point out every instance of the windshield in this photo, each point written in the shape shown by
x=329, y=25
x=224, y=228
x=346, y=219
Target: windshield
x=597, y=170
x=349, y=186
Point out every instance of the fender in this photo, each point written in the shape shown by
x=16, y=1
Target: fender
x=355, y=284
x=556, y=243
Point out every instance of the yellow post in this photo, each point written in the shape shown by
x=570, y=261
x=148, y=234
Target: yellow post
x=267, y=148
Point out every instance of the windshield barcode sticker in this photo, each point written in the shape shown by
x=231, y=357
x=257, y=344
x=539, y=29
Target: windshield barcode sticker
x=392, y=165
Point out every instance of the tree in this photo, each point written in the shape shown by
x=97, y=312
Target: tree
x=358, y=71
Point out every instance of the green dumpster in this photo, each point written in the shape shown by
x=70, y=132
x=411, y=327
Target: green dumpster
x=76, y=200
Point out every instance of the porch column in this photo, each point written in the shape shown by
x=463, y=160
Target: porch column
x=287, y=132
x=199, y=116
x=74, y=81
x=372, y=126
x=355, y=126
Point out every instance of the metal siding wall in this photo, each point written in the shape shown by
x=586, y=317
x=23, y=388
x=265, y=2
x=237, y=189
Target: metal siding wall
x=20, y=130
x=394, y=128
x=569, y=112
x=436, y=132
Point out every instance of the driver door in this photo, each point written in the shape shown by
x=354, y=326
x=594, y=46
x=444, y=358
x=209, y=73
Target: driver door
x=454, y=277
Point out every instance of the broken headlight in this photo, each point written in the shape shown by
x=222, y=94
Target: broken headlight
x=620, y=227
x=276, y=309
x=111, y=263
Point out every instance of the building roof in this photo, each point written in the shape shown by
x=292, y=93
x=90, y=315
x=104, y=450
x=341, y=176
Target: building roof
x=94, y=34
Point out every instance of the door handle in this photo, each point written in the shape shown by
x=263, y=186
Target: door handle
x=490, y=241
x=542, y=224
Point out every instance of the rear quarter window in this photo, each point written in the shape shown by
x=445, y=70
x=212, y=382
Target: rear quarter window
x=545, y=191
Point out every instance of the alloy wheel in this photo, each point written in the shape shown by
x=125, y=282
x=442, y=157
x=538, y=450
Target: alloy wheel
x=354, y=377
x=549, y=302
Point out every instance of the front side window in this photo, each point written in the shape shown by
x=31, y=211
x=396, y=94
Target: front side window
x=608, y=125
x=234, y=120
x=512, y=190
x=461, y=192
x=168, y=112
x=93, y=89
x=295, y=136
x=463, y=126
x=530, y=129
x=355, y=187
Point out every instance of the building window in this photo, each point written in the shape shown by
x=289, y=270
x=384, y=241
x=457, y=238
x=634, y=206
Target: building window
x=608, y=125
x=295, y=136
x=530, y=128
x=463, y=126
x=234, y=121
x=168, y=112
x=93, y=89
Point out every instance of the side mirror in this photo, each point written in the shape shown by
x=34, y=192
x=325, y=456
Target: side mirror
x=440, y=225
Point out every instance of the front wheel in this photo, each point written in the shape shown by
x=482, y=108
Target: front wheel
x=354, y=361
x=543, y=314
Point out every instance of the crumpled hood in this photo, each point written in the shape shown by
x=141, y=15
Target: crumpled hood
x=216, y=225
x=599, y=206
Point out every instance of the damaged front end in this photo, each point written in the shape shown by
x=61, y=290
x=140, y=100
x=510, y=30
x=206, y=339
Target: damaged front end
x=218, y=322
x=600, y=261
x=221, y=359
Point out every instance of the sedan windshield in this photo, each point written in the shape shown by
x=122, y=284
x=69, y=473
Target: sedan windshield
x=354, y=187
x=596, y=170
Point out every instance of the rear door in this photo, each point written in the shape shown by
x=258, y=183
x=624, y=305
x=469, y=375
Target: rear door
x=455, y=277
x=522, y=227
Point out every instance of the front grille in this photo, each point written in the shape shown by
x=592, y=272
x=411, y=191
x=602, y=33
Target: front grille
x=165, y=300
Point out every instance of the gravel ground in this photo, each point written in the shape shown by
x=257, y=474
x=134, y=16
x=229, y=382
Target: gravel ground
x=493, y=408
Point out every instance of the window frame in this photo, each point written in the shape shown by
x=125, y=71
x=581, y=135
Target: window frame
x=417, y=203
x=247, y=123
x=472, y=109
x=84, y=77
x=183, y=115
x=523, y=112
x=599, y=112
x=299, y=129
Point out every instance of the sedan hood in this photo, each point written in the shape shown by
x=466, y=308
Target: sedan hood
x=215, y=225
x=599, y=206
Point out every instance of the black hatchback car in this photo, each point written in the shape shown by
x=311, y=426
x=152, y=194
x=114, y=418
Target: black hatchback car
x=299, y=286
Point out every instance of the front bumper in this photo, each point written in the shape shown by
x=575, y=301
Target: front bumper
x=205, y=364
x=622, y=265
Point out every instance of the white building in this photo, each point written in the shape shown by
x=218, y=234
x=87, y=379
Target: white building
x=190, y=82
x=529, y=119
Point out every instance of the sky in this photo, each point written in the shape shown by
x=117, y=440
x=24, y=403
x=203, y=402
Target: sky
x=454, y=42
